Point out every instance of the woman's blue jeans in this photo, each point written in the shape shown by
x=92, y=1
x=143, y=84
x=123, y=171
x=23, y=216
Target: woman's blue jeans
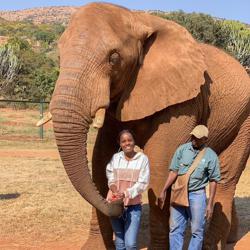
x=126, y=228
x=178, y=221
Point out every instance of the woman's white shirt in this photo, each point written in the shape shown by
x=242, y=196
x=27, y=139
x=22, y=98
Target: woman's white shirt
x=136, y=170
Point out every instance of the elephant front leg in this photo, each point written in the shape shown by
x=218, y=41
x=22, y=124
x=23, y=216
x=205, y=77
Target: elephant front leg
x=168, y=134
x=219, y=226
x=101, y=233
x=233, y=234
x=158, y=223
x=223, y=226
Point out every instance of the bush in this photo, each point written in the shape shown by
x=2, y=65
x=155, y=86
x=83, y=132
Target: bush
x=29, y=61
x=28, y=74
x=44, y=36
x=238, y=41
x=232, y=36
x=203, y=27
x=10, y=64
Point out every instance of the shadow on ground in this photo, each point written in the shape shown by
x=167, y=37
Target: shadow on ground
x=144, y=229
x=9, y=196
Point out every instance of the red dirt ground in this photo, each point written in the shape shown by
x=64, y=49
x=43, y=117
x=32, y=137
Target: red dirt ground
x=14, y=244
x=51, y=154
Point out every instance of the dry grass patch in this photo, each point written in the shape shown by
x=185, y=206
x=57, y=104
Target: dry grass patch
x=44, y=207
x=21, y=123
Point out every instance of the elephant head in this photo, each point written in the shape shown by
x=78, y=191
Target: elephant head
x=109, y=58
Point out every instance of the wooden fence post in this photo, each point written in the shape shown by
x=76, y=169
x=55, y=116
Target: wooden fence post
x=41, y=116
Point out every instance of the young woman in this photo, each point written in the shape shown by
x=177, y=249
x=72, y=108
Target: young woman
x=128, y=176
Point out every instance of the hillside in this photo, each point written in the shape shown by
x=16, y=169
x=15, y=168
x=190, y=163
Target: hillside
x=59, y=14
x=54, y=14
x=29, y=62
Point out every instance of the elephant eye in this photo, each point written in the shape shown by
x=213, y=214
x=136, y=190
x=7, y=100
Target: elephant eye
x=114, y=59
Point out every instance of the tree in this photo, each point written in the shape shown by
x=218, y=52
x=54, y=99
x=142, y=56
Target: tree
x=204, y=28
x=44, y=83
x=28, y=68
x=238, y=41
x=232, y=36
x=37, y=76
x=44, y=36
x=10, y=63
x=24, y=73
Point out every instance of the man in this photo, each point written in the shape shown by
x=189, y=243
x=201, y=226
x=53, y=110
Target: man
x=207, y=171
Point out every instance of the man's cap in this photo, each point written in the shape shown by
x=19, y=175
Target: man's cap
x=200, y=131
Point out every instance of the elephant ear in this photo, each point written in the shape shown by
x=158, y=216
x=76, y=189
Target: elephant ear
x=172, y=71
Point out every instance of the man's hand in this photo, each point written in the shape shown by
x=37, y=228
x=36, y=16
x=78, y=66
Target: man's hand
x=212, y=191
x=209, y=212
x=170, y=180
x=161, y=199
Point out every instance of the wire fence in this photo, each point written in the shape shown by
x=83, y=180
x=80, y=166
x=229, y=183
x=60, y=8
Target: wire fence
x=18, y=119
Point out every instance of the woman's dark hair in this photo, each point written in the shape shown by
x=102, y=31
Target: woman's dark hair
x=125, y=131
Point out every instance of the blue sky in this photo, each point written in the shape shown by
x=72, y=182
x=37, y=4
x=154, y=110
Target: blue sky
x=229, y=9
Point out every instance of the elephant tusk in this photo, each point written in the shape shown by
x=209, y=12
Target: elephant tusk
x=44, y=120
x=99, y=118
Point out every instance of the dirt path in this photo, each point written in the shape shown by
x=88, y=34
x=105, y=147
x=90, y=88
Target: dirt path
x=30, y=153
x=14, y=244
x=17, y=244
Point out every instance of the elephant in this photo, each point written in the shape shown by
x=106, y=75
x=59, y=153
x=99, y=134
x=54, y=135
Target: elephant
x=126, y=69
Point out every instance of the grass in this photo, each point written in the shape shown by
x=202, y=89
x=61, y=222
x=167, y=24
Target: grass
x=39, y=208
x=41, y=144
x=22, y=123
x=6, y=130
x=48, y=207
x=2, y=119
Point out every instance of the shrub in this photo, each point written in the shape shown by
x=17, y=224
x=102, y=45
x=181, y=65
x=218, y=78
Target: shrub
x=238, y=41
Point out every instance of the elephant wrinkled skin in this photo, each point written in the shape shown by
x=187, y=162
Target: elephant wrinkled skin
x=151, y=76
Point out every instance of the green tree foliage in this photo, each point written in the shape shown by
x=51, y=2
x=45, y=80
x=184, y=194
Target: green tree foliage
x=44, y=83
x=36, y=77
x=203, y=27
x=10, y=64
x=28, y=61
x=232, y=36
x=48, y=33
x=238, y=41
x=45, y=36
x=33, y=75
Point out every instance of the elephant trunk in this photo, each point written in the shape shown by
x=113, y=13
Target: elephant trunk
x=71, y=129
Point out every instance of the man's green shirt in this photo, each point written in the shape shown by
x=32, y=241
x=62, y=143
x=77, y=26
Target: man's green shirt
x=207, y=170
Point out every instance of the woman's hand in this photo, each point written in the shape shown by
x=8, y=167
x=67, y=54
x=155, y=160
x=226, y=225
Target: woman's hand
x=161, y=199
x=120, y=195
x=113, y=188
x=116, y=195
